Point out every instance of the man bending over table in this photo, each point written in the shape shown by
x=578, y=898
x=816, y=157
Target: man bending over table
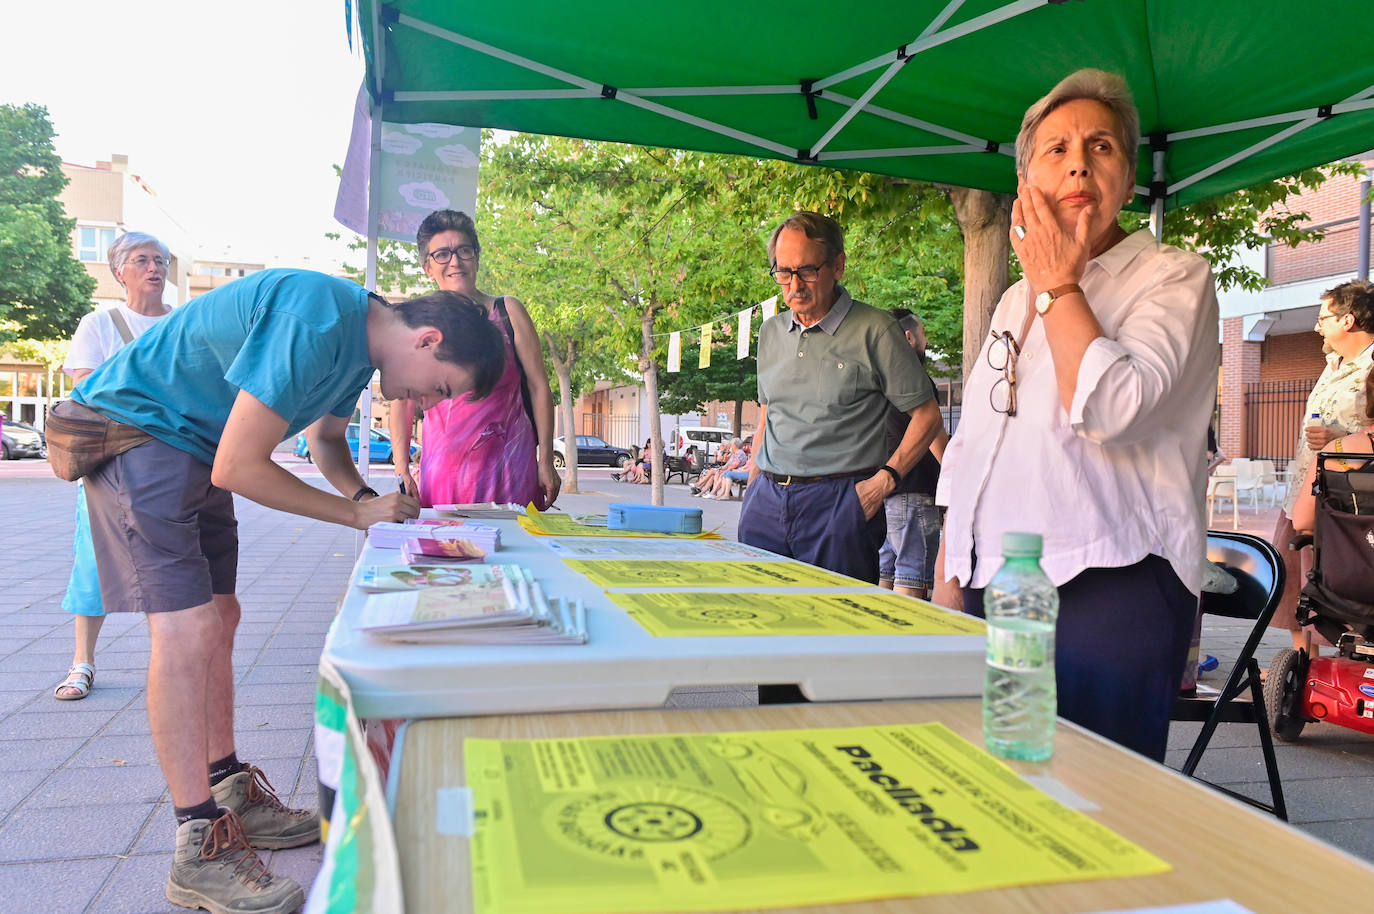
x=216, y=386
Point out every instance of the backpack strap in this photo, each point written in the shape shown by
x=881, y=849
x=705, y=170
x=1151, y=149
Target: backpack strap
x=121, y=325
x=525, y=397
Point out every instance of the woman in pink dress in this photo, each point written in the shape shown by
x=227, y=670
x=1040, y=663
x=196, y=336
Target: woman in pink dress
x=484, y=450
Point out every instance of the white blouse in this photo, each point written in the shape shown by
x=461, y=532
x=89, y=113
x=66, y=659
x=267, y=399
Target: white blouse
x=1123, y=474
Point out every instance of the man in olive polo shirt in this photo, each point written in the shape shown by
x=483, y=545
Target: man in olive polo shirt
x=827, y=371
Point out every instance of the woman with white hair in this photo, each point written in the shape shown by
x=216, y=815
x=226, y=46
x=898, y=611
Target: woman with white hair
x=1085, y=419
x=139, y=263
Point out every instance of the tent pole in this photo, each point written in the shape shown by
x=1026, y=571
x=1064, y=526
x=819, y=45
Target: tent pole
x=374, y=167
x=1158, y=147
x=1364, y=223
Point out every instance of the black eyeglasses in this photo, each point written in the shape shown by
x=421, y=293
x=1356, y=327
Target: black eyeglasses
x=464, y=252
x=806, y=274
x=1002, y=357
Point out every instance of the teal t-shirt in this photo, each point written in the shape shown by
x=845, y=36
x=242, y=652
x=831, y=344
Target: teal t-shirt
x=294, y=339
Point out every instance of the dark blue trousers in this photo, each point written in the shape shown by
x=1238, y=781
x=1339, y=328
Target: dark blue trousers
x=1120, y=647
x=820, y=523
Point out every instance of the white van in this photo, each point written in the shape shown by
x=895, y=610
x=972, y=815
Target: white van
x=697, y=443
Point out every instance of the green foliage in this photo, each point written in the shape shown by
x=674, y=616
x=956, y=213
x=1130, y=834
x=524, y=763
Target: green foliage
x=1220, y=228
x=44, y=290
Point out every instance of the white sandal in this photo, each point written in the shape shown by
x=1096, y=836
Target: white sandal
x=80, y=677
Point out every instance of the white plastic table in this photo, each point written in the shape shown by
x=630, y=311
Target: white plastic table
x=623, y=666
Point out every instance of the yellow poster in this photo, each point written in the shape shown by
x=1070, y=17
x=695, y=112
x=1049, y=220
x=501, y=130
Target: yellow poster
x=613, y=573
x=542, y=524
x=703, y=614
x=724, y=821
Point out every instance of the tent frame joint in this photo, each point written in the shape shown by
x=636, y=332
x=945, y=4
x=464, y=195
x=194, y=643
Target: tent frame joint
x=608, y=92
x=1323, y=112
x=388, y=14
x=811, y=95
x=992, y=146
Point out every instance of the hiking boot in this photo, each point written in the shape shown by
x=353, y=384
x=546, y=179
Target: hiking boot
x=214, y=868
x=267, y=821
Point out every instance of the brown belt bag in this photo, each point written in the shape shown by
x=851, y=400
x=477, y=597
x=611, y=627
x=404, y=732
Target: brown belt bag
x=80, y=440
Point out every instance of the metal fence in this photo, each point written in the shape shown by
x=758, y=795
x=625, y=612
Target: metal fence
x=619, y=431
x=1273, y=415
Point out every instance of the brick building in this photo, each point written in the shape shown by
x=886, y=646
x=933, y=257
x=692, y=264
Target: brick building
x=1270, y=354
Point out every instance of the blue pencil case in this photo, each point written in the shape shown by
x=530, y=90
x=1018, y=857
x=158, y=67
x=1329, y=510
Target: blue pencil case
x=653, y=518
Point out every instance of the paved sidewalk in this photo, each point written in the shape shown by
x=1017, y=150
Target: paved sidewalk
x=85, y=823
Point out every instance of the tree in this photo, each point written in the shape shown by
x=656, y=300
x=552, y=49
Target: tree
x=44, y=290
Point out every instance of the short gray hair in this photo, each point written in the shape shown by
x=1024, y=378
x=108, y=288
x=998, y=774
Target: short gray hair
x=817, y=227
x=735, y=442
x=125, y=245
x=1110, y=89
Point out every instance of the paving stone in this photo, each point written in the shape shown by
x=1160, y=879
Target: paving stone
x=62, y=833
x=62, y=719
x=115, y=751
x=37, y=754
x=15, y=788
x=48, y=886
x=136, y=885
x=115, y=785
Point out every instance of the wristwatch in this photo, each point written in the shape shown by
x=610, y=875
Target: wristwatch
x=1045, y=299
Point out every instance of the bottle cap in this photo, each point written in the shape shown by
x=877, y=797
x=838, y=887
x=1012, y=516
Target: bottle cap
x=1022, y=544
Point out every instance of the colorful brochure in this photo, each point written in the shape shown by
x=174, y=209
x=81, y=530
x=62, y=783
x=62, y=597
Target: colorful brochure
x=420, y=549
x=697, y=614
x=398, y=578
x=713, y=822
x=782, y=573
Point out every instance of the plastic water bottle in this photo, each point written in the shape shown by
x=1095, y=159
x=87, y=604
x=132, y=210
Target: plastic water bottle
x=1019, y=698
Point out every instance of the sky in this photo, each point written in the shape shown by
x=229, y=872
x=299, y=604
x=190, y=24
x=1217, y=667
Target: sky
x=234, y=112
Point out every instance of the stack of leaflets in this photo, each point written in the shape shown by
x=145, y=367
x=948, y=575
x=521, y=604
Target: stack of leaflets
x=398, y=578
x=422, y=549
x=393, y=536
x=494, y=604
x=484, y=509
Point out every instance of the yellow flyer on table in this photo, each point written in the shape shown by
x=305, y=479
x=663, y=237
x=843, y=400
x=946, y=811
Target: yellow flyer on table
x=616, y=573
x=724, y=821
x=695, y=615
x=543, y=524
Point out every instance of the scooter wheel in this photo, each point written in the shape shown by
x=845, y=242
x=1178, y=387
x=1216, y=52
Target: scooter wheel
x=1283, y=687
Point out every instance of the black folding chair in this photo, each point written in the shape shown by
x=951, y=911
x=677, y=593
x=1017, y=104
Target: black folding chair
x=1258, y=570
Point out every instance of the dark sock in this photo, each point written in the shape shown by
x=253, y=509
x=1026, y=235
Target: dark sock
x=225, y=767
x=207, y=810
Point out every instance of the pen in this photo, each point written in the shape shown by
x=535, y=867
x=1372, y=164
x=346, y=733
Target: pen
x=401, y=485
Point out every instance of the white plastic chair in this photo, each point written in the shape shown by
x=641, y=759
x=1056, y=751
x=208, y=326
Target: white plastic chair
x=1269, y=482
x=1222, y=484
x=1249, y=479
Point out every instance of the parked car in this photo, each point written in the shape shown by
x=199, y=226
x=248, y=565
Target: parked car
x=591, y=449
x=22, y=440
x=696, y=443
x=379, y=449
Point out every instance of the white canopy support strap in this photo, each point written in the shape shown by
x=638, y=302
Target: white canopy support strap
x=886, y=77
x=927, y=126
x=697, y=91
x=1320, y=115
x=1273, y=119
x=583, y=83
x=496, y=95
x=928, y=41
x=897, y=153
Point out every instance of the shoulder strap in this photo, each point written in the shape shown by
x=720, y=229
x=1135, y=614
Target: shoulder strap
x=525, y=398
x=121, y=325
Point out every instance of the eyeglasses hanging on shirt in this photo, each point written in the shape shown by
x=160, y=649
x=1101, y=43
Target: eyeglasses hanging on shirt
x=1002, y=357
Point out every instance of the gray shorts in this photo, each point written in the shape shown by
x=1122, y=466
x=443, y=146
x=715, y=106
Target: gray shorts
x=165, y=538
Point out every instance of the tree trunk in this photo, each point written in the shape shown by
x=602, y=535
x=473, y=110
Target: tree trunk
x=985, y=220
x=739, y=418
x=649, y=368
x=562, y=368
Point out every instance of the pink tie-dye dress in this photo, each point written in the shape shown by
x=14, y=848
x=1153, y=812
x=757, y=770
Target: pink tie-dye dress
x=484, y=450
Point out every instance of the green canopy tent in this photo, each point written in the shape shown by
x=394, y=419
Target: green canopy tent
x=1231, y=92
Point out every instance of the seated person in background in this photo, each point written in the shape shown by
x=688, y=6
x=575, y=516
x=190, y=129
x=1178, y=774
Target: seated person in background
x=727, y=458
x=642, y=469
x=734, y=470
x=1361, y=442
